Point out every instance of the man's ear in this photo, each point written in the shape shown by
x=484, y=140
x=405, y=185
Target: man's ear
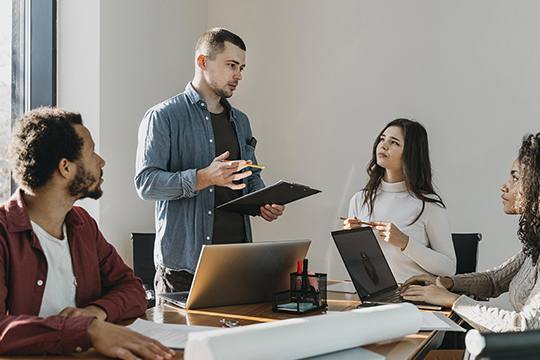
x=66, y=168
x=201, y=61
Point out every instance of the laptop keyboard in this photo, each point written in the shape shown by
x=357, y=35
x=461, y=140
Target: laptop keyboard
x=394, y=297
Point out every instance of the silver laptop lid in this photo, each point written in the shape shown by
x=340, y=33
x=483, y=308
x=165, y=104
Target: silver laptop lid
x=232, y=274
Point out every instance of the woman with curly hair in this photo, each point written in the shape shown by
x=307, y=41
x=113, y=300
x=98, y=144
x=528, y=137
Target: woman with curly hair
x=401, y=205
x=519, y=276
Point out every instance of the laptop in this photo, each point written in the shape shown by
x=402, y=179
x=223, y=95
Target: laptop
x=233, y=274
x=368, y=268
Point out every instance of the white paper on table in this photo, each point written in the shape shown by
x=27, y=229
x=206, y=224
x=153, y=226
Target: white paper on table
x=171, y=335
x=350, y=354
x=437, y=321
x=300, y=338
x=343, y=287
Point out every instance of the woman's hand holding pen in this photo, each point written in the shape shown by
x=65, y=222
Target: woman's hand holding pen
x=353, y=223
x=391, y=234
x=222, y=172
x=387, y=231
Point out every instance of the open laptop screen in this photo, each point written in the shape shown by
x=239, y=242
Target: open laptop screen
x=364, y=261
x=234, y=274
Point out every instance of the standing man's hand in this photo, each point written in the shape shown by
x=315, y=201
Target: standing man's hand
x=272, y=212
x=223, y=172
x=119, y=342
x=90, y=311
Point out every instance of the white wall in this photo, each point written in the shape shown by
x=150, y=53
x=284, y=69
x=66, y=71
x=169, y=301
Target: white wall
x=322, y=79
x=117, y=59
x=147, y=56
x=78, y=67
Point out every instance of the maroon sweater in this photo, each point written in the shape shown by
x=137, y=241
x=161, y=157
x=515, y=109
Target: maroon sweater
x=102, y=278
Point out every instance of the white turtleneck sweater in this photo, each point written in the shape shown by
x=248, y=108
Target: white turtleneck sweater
x=430, y=249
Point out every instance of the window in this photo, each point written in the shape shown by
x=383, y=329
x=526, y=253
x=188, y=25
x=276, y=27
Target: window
x=27, y=68
x=5, y=95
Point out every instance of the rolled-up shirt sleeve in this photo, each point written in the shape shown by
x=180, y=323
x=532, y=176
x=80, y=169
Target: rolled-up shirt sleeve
x=32, y=335
x=152, y=179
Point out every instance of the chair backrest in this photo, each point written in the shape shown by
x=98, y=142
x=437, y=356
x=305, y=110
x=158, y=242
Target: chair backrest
x=466, y=247
x=143, y=257
x=499, y=346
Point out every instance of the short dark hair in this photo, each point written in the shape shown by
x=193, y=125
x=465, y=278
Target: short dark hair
x=42, y=138
x=212, y=42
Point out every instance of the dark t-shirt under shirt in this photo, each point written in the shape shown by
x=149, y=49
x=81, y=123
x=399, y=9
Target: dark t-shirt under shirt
x=228, y=226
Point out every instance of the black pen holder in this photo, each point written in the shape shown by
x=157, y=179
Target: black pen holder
x=306, y=294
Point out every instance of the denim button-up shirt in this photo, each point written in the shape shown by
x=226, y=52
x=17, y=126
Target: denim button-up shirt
x=175, y=139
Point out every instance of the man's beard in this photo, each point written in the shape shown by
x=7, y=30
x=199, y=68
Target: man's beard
x=222, y=94
x=81, y=186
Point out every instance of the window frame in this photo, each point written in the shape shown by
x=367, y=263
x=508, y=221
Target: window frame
x=33, y=57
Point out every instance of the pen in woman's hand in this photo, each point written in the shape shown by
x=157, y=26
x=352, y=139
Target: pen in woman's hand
x=359, y=221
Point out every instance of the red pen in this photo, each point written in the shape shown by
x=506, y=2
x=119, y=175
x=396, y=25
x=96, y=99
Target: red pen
x=298, y=282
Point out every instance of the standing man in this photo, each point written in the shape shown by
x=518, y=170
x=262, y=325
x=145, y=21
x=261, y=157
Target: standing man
x=194, y=153
x=61, y=284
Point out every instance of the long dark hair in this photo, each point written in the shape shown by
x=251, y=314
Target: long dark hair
x=416, y=166
x=528, y=199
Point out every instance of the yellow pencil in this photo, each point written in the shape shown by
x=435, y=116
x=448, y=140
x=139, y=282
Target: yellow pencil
x=360, y=221
x=255, y=166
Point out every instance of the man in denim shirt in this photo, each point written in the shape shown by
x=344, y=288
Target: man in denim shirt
x=194, y=153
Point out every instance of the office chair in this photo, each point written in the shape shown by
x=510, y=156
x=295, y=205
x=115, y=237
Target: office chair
x=466, y=247
x=143, y=262
x=502, y=346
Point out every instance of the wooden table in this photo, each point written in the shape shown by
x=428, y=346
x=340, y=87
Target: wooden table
x=410, y=347
x=413, y=346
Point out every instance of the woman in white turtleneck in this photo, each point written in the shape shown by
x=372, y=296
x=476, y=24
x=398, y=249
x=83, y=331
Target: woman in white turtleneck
x=401, y=206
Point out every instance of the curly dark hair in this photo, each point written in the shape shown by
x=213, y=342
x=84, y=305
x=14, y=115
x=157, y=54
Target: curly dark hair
x=42, y=138
x=529, y=196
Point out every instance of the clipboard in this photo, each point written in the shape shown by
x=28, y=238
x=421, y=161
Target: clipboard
x=280, y=193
